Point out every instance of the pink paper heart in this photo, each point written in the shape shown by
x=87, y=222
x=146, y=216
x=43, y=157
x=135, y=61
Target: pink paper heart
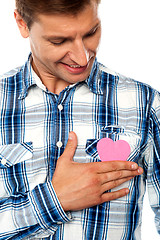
x=109, y=150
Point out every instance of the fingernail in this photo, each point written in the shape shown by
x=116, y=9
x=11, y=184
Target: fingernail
x=140, y=171
x=134, y=166
x=70, y=137
x=127, y=191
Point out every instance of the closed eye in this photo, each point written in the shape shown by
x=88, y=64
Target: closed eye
x=90, y=34
x=58, y=42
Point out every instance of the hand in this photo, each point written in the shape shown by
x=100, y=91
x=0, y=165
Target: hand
x=82, y=185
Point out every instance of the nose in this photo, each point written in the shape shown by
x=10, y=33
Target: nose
x=79, y=53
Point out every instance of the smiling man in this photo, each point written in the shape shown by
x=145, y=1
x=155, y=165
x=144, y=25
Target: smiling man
x=55, y=111
x=64, y=45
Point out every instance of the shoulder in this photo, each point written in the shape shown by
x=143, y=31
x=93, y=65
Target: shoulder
x=17, y=78
x=128, y=85
x=121, y=79
x=12, y=81
x=11, y=73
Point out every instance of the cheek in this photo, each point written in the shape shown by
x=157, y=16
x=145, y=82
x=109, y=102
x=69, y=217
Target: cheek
x=97, y=41
x=54, y=54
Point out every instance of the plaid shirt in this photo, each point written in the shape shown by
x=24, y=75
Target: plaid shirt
x=34, y=127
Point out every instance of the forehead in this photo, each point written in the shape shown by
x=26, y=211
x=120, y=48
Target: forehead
x=65, y=23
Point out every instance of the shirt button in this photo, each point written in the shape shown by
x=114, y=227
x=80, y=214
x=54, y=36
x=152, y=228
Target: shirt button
x=59, y=144
x=60, y=107
x=3, y=161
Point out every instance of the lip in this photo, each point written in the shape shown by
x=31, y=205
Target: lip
x=77, y=70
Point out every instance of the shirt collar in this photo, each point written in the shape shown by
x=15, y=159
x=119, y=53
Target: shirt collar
x=27, y=78
x=94, y=81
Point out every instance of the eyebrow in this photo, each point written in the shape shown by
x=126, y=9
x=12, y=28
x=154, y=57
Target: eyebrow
x=54, y=38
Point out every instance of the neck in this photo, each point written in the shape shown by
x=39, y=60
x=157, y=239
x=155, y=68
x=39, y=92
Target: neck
x=52, y=83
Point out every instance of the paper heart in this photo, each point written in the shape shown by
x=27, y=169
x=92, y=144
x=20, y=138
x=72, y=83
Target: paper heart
x=109, y=150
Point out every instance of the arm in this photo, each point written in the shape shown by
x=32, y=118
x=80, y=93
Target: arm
x=152, y=160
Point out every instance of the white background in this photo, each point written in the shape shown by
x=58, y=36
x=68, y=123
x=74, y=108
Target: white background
x=130, y=45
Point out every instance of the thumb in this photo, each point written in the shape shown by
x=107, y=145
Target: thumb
x=70, y=147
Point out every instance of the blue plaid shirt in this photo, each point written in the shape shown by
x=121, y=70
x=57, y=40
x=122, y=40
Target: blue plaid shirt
x=34, y=127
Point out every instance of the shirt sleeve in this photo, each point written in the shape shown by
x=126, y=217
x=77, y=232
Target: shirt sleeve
x=36, y=212
x=152, y=160
x=46, y=206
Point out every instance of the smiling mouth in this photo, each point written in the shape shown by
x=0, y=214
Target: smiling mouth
x=74, y=66
x=77, y=65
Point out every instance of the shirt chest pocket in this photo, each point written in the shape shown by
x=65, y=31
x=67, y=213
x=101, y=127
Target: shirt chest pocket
x=115, y=133
x=15, y=164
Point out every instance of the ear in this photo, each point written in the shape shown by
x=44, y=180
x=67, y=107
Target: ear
x=21, y=25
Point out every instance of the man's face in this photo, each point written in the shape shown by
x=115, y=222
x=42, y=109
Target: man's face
x=64, y=46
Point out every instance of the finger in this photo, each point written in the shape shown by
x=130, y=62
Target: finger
x=70, y=147
x=113, y=184
x=109, y=196
x=115, y=175
x=111, y=166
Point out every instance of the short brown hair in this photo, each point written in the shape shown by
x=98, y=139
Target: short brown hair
x=29, y=9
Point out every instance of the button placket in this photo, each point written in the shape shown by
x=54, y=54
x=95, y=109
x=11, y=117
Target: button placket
x=59, y=144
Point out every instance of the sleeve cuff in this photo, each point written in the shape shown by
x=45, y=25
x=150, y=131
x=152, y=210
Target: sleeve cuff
x=47, y=207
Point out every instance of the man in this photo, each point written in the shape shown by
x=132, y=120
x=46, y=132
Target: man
x=55, y=111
